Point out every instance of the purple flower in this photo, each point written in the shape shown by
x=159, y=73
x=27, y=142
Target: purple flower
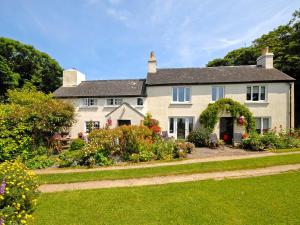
x=2, y=189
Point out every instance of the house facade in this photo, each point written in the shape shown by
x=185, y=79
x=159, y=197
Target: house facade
x=176, y=97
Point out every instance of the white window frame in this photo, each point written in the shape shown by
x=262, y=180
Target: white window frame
x=261, y=118
x=174, y=133
x=259, y=92
x=137, y=101
x=218, y=92
x=93, y=125
x=184, y=95
x=87, y=102
x=114, y=102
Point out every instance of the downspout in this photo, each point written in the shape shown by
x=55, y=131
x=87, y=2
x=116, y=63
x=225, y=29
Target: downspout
x=290, y=108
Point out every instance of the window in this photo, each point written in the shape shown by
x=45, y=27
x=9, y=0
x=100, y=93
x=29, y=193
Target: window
x=262, y=124
x=181, y=94
x=256, y=93
x=180, y=127
x=140, y=101
x=114, y=101
x=217, y=93
x=90, y=102
x=91, y=125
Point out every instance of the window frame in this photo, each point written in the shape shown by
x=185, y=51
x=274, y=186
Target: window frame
x=185, y=101
x=259, y=93
x=262, y=128
x=93, y=125
x=87, y=102
x=114, y=100
x=137, y=102
x=218, y=92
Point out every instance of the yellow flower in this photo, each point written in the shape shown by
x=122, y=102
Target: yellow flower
x=23, y=221
x=23, y=196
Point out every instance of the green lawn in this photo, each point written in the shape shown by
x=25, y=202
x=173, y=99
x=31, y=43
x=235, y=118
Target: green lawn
x=261, y=200
x=171, y=170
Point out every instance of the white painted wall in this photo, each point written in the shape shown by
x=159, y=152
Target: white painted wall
x=97, y=113
x=277, y=105
x=159, y=104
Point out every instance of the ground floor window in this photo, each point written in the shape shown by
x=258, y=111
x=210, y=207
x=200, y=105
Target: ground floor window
x=91, y=125
x=179, y=127
x=263, y=124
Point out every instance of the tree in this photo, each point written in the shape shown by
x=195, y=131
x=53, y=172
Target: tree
x=20, y=63
x=284, y=42
x=29, y=119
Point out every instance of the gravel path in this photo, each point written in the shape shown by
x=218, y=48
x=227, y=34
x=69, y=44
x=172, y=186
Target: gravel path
x=167, y=179
x=157, y=164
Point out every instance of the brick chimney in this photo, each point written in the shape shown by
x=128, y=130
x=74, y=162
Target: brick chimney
x=266, y=59
x=152, y=63
x=72, y=77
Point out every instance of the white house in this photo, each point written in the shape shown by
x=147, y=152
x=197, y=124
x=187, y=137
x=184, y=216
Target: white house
x=177, y=96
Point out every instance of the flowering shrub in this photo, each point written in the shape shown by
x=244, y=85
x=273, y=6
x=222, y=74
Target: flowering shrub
x=18, y=193
x=77, y=144
x=152, y=124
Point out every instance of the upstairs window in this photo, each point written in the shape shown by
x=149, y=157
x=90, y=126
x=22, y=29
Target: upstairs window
x=114, y=101
x=181, y=94
x=140, y=101
x=90, y=102
x=217, y=92
x=256, y=93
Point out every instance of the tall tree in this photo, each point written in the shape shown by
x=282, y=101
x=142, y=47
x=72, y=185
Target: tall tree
x=284, y=42
x=20, y=64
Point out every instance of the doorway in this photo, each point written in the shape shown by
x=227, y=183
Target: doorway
x=226, y=129
x=180, y=128
x=124, y=122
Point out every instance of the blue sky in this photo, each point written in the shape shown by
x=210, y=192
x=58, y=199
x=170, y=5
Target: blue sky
x=112, y=39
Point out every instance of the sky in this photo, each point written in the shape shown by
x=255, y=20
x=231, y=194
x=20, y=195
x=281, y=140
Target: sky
x=112, y=39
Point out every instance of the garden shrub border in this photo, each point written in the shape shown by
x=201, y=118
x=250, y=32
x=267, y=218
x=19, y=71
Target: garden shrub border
x=209, y=117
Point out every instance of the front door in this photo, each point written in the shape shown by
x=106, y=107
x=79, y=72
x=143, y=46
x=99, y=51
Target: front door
x=180, y=128
x=124, y=122
x=226, y=129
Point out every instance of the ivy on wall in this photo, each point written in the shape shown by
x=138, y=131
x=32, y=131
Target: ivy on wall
x=210, y=116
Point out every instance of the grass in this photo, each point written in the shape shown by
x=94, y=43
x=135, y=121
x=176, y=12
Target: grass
x=171, y=170
x=253, y=201
x=284, y=150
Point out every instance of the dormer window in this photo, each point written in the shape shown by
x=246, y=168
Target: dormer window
x=88, y=102
x=181, y=94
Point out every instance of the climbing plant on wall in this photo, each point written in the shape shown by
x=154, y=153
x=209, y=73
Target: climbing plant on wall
x=210, y=116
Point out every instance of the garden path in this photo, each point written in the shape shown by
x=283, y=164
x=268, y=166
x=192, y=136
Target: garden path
x=190, y=160
x=168, y=179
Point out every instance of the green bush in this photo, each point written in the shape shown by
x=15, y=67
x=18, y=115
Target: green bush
x=71, y=158
x=134, y=157
x=164, y=149
x=18, y=193
x=40, y=162
x=271, y=140
x=102, y=160
x=199, y=137
x=77, y=144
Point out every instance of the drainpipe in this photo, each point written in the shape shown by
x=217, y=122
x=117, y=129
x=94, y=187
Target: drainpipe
x=290, y=106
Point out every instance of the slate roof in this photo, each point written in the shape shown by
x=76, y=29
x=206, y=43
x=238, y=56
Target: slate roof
x=125, y=103
x=175, y=76
x=215, y=75
x=104, y=88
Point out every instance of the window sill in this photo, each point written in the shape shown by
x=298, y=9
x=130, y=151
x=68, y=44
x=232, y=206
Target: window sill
x=111, y=106
x=139, y=106
x=256, y=102
x=88, y=107
x=180, y=103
